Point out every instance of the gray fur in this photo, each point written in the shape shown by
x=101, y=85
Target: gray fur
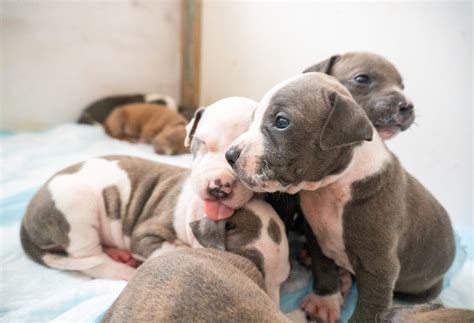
x=433, y=313
x=44, y=228
x=274, y=231
x=195, y=285
x=112, y=201
x=235, y=235
x=396, y=234
x=381, y=99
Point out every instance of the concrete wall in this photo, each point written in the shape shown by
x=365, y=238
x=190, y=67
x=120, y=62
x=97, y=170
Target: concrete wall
x=248, y=46
x=57, y=56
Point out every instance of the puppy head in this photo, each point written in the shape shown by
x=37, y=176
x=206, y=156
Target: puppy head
x=255, y=232
x=209, y=134
x=170, y=141
x=376, y=85
x=120, y=124
x=304, y=130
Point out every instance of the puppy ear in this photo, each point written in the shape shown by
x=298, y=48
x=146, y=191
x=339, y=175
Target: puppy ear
x=210, y=234
x=347, y=123
x=191, y=127
x=324, y=66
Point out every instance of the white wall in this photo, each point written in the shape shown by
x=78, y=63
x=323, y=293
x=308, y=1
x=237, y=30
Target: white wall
x=58, y=56
x=249, y=46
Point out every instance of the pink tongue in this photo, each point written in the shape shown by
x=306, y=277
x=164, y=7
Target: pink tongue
x=217, y=211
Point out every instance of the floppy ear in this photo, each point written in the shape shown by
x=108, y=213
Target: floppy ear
x=324, y=66
x=347, y=123
x=210, y=234
x=191, y=127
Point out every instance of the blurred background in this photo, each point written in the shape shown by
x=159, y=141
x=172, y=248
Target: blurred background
x=58, y=56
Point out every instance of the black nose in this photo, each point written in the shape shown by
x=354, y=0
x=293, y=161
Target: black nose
x=232, y=155
x=217, y=193
x=406, y=109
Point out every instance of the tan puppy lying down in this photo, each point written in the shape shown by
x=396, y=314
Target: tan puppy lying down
x=205, y=285
x=149, y=123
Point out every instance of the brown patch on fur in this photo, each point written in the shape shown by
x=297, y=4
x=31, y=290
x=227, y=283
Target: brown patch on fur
x=112, y=202
x=274, y=231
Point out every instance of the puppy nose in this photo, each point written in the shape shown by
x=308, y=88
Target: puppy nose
x=221, y=188
x=232, y=155
x=406, y=108
x=217, y=193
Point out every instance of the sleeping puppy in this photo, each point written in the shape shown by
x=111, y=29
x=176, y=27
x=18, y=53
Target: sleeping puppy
x=376, y=86
x=98, y=111
x=135, y=204
x=367, y=213
x=149, y=123
x=212, y=285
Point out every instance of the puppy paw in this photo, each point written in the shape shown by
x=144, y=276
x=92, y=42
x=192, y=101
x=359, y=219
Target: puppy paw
x=323, y=308
x=345, y=282
x=121, y=255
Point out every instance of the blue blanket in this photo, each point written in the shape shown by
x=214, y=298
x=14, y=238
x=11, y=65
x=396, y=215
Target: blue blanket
x=30, y=292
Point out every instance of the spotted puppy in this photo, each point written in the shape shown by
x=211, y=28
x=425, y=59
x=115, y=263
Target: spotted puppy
x=212, y=285
x=135, y=204
x=366, y=212
x=376, y=86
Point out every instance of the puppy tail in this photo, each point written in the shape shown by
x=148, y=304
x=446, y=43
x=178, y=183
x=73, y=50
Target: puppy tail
x=422, y=297
x=165, y=100
x=55, y=260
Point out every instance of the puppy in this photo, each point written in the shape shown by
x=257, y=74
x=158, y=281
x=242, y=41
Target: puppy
x=376, y=85
x=433, y=313
x=135, y=204
x=211, y=285
x=149, y=123
x=98, y=111
x=368, y=214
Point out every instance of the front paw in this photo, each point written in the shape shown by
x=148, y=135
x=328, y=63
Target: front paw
x=325, y=308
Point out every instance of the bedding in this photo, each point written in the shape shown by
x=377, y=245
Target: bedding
x=30, y=292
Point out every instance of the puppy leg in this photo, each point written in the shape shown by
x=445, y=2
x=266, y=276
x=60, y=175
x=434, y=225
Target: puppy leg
x=110, y=269
x=122, y=255
x=85, y=244
x=375, y=283
x=326, y=300
x=152, y=238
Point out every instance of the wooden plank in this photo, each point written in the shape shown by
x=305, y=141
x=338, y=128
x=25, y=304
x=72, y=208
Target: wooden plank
x=191, y=52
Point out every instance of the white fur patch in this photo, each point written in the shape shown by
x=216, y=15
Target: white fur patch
x=324, y=207
x=79, y=197
x=170, y=102
x=276, y=256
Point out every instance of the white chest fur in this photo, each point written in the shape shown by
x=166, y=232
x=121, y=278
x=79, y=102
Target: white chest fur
x=324, y=207
x=323, y=210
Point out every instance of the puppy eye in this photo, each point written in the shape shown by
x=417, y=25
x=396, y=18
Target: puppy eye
x=282, y=123
x=362, y=79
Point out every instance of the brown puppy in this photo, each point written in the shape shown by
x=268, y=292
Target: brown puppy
x=149, y=123
x=376, y=85
x=366, y=212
